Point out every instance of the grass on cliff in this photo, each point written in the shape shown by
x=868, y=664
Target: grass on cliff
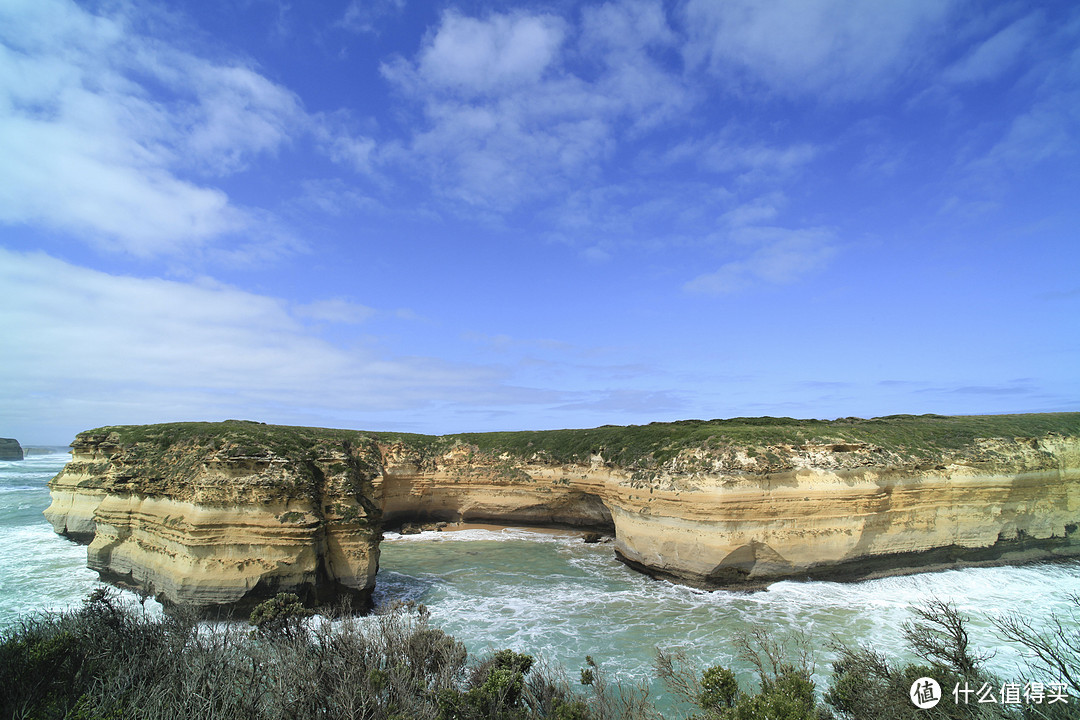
x=243, y=438
x=908, y=435
x=916, y=437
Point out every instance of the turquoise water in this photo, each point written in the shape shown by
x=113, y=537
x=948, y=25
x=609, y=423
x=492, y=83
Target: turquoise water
x=38, y=569
x=558, y=598
x=563, y=599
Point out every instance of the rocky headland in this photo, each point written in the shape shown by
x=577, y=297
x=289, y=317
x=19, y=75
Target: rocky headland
x=10, y=449
x=222, y=513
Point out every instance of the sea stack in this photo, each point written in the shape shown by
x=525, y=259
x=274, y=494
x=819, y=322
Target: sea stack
x=224, y=514
x=10, y=449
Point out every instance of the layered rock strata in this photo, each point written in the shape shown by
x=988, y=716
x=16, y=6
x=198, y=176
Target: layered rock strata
x=206, y=523
x=725, y=517
x=720, y=512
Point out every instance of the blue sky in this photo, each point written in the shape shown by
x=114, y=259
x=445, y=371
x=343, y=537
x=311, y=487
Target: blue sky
x=443, y=217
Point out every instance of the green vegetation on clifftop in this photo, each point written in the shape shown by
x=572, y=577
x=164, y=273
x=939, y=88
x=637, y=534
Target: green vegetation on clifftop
x=171, y=452
x=914, y=437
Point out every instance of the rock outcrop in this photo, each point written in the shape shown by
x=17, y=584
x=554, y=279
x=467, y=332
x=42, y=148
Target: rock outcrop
x=212, y=519
x=221, y=513
x=10, y=449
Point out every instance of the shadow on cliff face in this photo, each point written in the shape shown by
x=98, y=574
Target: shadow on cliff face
x=753, y=559
x=574, y=511
x=582, y=510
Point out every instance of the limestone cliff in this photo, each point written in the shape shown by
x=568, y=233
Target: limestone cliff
x=227, y=515
x=213, y=513
x=10, y=449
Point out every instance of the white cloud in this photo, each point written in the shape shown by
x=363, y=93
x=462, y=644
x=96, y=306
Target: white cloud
x=478, y=56
x=732, y=151
x=627, y=38
x=238, y=114
x=784, y=256
x=112, y=348
x=367, y=15
x=505, y=119
x=71, y=179
x=1046, y=129
x=836, y=48
x=337, y=310
x=104, y=132
x=996, y=54
x=626, y=27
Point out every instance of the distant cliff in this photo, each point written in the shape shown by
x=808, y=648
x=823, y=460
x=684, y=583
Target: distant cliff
x=10, y=449
x=218, y=513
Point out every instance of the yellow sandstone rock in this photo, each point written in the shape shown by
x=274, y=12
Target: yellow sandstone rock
x=219, y=527
x=203, y=514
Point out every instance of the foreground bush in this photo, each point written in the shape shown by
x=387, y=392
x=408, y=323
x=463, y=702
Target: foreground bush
x=108, y=660
x=784, y=669
x=112, y=661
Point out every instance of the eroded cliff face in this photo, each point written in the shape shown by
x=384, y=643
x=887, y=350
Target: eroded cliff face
x=209, y=521
x=218, y=523
x=747, y=516
x=852, y=512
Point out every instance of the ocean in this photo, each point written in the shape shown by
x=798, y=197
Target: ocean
x=560, y=599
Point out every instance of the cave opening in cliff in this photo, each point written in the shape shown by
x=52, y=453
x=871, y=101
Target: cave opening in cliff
x=571, y=511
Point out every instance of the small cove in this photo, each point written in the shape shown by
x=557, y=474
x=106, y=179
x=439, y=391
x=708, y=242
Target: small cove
x=562, y=599
x=551, y=595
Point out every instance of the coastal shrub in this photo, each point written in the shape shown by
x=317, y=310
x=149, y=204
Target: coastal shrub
x=719, y=688
x=1056, y=650
x=37, y=660
x=281, y=615
x=939, y=636
x=53, y=665
x=866, y=684
x=508, y=686
x=496, y=689
x=616, y=699
x=113, y=660
x=788, y=696
x=784, y=667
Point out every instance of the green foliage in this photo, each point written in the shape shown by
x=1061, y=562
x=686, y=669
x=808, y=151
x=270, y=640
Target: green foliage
x=643, y=445
x=573, y=710
x=50, y=664
x=35, y=661
x=496, y=690
x=280, y=616
x=719, y=688
x=913, y=437
x=789, y=696
x=511, y=661
x=866, y=684
x=111, y=661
